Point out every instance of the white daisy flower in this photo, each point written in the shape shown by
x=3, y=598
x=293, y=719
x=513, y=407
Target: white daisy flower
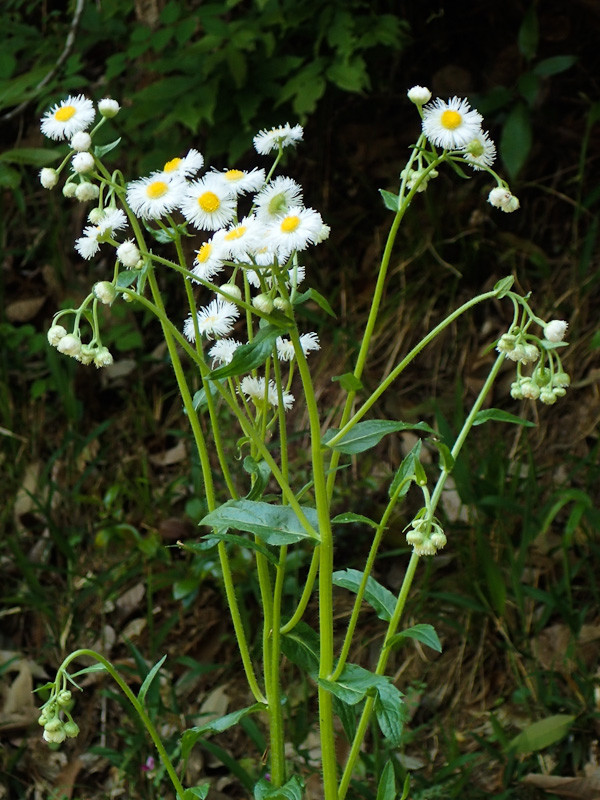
x=187, y=166
x=276, y=138
x=87, y=245
x=239, y=181
x=222, y=351
x=207, y=204
x=451, y=124
x=285, y=347
x=277, y=197
x=255, y=389
x=480, y=152
x=242, y=238
x=68, y=117
x=215, y=319
x=209, y=259
x=299, y=228
x=114, y=219
x=153, y=197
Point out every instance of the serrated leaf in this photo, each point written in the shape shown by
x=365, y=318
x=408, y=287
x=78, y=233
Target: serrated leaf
x=498, y=415
x=542, y=734
x=503, y=286
x=390, y=200
x=348, y=381
x=317, y=297
x=292, y=790
x=249, y=356
x=423, y=633
x=148, y=680
x=101, y=150
x=365, y=435
x=274, y=524
x=376, y=595
x=391, y=712
x=191, y=735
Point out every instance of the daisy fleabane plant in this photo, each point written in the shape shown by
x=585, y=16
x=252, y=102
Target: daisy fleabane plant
x=242, y=243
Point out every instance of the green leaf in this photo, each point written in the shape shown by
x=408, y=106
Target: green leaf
x=101, y=150
x=126, y=278
x=191, y=735
x=391, y=712
x=504, y=286
x=292, y=790
x=405, y=471
x=529, y=33
x=515, y=142
x=554, y=65
x=422, y=633
x=249, y=356
x=34, y=156
x=200, y=399
x=240, y=541
x=349, y=516
x=274, y=524
x=262, y=474
x=542, y=734
x=148, y=680
x=195, y=792
x=365, y=435
x=376, y=595
x=500, y=416
x=348, y=381
x=391, y=201
x=9, y=178
x=386, y=790
x=352, y=685
x=316, y=297
x=446, y=460
x=301, y=646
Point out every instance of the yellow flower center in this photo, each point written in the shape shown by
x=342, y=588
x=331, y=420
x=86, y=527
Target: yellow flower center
x=209, y=202
x=233, y=174
x=451, y=119
x=236, y=233
x=289, y=224
x=65, y=113
x=156, y=189
x=204, y=253
x=172, y=165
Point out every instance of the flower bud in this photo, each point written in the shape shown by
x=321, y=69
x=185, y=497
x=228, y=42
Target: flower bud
x=71, y=729
x=108, y=108
x=69, y=189
x=231, y=290
x=263, y=303
x=81, y=141
x=96, y=216
x=506, y=343
x=87, y=191
x=419, y=95
x=82, y=162
x=561, y=379
x=105, y=292
x=555, y=330
x=281, y=304
x=70, y=345
x=55, y=334
x=515, y=390
x=530, y=390
x=501, y=198
x=64, y=698
x=55, y=737
x=103, y=358
x=547, y=396
x=48, y=177
x=128, y=254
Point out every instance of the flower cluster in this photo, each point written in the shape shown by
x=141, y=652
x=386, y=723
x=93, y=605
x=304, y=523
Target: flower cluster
x=547, y=381
x=455, y=127
x=56, y=727
x=426, y=536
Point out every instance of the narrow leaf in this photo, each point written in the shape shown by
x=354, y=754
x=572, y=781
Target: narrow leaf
x=405, y=471
x=148, y=680
x=554, y=65
x=391, y=201
x=386, y=789
x=542, y=734
x=191, y=735
x=102, y=150
x=261, y=472
x=350, y=516
x=504, y=286
x=317, y=297
x=500, y=416
x=365, y=435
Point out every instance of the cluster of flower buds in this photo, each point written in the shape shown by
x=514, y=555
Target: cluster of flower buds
x=70, y=344
x=56, y=727
x=548, y=381
x=426, y=536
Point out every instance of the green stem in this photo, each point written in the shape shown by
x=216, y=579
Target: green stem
x=140, y=711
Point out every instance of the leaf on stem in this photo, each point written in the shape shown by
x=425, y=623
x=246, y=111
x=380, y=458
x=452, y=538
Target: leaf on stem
x=390, y=200
x=376, y=595
x=149, y=678
x=348, y=381
x=191, y=735
x=365, y=435
x=261, y=472
x=542, y=734
x=249, y=356
x=196, y=792
x=292, y=790
x=301, y=646
x=386, y=790
x=422, y=633
x=241, y=541
x=349, y=516
x=504, y=285
x=498, y=415
x=273, y=524
x=317, y=297
x=406, y=471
